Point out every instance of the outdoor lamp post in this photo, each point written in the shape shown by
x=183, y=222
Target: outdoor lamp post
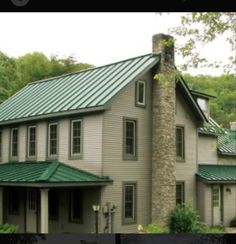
x=96, y=208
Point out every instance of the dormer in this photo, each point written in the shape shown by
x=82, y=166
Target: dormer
x=203, y=101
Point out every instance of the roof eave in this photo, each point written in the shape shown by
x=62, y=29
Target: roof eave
x=55, y=115
x=226, y=153
x=208, y=181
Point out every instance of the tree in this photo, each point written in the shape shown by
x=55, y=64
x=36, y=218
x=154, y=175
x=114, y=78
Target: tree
x=202, y=28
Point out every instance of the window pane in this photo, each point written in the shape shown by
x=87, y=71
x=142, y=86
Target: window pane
x=76, y=137
x=141, y=92
x=179, y=193
x=129, y=201
x=180, y=142
x=130, y=138
x=32, y=199
x=14, y=143
x=32, y=141
x=53, y=139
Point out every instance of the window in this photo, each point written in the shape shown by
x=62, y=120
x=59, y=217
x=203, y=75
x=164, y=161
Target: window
x=32, y=198
x=141, y=93
x=76, y=130
x=76, y=205
x=0, y=145
x=180, y=143
x=53, y=204
x=14, y=143
x=52, y=140
x=129, y=203
x=179, y=193
x=216, y=196
x=129, y=139
x=31, y=144
x=202, y=103
x=13, y=201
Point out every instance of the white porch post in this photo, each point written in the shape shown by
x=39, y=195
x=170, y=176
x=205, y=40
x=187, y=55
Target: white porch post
x=44, y=210
x=1, y=205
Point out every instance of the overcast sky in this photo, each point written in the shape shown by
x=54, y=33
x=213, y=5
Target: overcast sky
x=95, y=38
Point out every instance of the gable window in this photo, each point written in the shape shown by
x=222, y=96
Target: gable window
x=14, y=143
x=141, y=93
x=0, y=145
x=76, y=132
x=76, y=199
x=129, y=203
x=13, y=201
x=53, y=204
x=180, y=150
x=130, y=139
x=31, y=143
x=52, y=139
x=179, y=193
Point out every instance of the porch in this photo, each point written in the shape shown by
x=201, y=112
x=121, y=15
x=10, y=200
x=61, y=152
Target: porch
x=49, y=197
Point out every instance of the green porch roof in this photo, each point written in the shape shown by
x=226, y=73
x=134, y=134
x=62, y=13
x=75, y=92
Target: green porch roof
x=49, y=173
x=217, y=173
x=83, y=91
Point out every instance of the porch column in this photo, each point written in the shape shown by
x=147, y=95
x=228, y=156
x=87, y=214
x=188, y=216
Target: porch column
x=1, y=205
x=44, y=210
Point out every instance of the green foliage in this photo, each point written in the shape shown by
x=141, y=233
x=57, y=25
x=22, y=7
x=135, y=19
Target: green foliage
x=155, y=229
x=233, y=222
x=17, y=72
x=200, y=28
x=213, y=230
x=184, y=219
x=7, y=228
x=222, y=108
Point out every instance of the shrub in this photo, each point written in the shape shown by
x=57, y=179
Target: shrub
x=7, y=228
x=233, y=222
x=213, y=230
x=154, y=229
x=184, y=219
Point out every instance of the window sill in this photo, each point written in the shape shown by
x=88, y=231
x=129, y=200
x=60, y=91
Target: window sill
x=140, y=105
x=130, y=158
x=129, y=222
x=180, y=160
x=75, y=157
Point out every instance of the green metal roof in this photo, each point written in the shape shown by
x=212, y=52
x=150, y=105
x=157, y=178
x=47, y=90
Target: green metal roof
x=212, y=128
x=227, y=143
x=217, y=173
x=86, y=90
x=47, y=173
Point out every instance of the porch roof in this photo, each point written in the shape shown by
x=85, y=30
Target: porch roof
x=217, y=173
x=43, y=174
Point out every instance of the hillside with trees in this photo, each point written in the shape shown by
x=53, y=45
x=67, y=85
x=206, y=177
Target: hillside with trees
x=223, y=107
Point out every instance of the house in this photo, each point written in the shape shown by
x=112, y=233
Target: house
x=124, y=136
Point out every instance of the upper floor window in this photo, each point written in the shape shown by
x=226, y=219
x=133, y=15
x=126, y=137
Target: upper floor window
x=129, y=203
x=0, y=145
x=14, y=143
x=52, y=139
x=31, y=142
x=130, y=139
x=180, y=151
x=141, y=93
x=179, y=193
x=76, y=136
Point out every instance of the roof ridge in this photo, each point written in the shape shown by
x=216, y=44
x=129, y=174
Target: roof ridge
x=49, y=171
x=89, y=69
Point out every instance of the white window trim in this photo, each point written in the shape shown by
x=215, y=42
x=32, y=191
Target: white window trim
x=144, y=93
x=28, y=141
x=71, y=137
x=11, y=142
x=1, y=145
x=49, y=130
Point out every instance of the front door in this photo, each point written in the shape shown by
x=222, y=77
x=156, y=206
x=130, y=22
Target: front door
x=216, y=205
x=31, y=211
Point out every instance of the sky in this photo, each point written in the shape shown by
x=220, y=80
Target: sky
x=94, y=38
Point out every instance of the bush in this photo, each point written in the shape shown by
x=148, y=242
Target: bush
x=213, y=230
x=7, y=228
x=184, y=219
x=233, y=222
x=154, y=229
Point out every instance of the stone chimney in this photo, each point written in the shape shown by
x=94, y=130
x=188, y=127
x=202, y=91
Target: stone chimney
x=163, y=131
